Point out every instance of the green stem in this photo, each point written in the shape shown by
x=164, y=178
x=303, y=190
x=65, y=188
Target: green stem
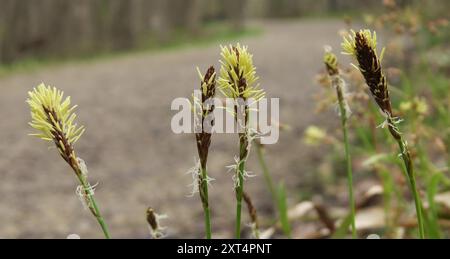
x=205, y=202
x=343, y=115
x=386, y=181
x=418, y=205
x=93, y=205
x=412, y=182
x=256, y=233
x=239, y=194
x=265, y=169
x=99, y=217
x=243, y=153
x=349, y=179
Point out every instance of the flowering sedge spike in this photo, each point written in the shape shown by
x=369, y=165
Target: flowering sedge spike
x=253, y=215
x=203, y=139
x=153, y=220
x=238, y=81
x=54, y=119
x=362, y=46
x=331, y=64
x=208, y=89
x=238, y=74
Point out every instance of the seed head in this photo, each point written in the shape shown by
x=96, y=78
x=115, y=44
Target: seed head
x=153, y=220
x=349, y=45
x=238, y=74
x=208, y=89
x=362, y=46
x=331, y=63
x=208, y=83
x=53, y=117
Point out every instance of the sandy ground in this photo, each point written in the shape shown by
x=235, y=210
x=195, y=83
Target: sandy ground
x=132, y=153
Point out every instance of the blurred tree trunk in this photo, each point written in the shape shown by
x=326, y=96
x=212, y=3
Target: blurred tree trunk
x=284, y=8
x=7, y=36
x=333, y=5
x=235, y=12
x=30, y=28
x=194, y=16
x=159, y=22
x=122, y=33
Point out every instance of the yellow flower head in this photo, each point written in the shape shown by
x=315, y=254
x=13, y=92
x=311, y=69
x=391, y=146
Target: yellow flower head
x=238, y=74
x=53, y=117
x=349, y=45
x=417, y=105
x=331, y=63
x=314, y=135
x=406, y=106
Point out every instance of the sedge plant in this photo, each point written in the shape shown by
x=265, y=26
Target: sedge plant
x=204, y=110
x=54, y=119
x=265, y=169
x=238, y=81
x=254, y=224
x=154, y=225
x=362, y=46
x=338, y=83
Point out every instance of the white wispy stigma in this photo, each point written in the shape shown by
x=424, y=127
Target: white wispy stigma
x=390, y=121
x=159, y=231
x=83, y=167
x=195, y=173
x=345, y=94
x=252, y=134
x=234, y=168
x=348, y=111
x=82, y=194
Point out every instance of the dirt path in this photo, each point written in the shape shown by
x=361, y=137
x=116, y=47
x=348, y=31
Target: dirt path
x=128, y=145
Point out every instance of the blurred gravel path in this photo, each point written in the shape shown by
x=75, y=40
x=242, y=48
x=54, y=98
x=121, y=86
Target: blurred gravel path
x=128, y=146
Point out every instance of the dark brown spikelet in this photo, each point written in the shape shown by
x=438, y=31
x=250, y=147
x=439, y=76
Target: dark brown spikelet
x=60, y=139
x=324, y=216
x=151, y=219
x=370, y=67
x=241, y=108
x=331, y=70
x=242, y=82
x=204, y=137
x=251, y=210
x=210, y=87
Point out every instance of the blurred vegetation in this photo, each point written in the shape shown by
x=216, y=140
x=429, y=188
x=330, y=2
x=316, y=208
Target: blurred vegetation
x=64, y=28
x=61, y=28
x=417, y=63
x=212, y=32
